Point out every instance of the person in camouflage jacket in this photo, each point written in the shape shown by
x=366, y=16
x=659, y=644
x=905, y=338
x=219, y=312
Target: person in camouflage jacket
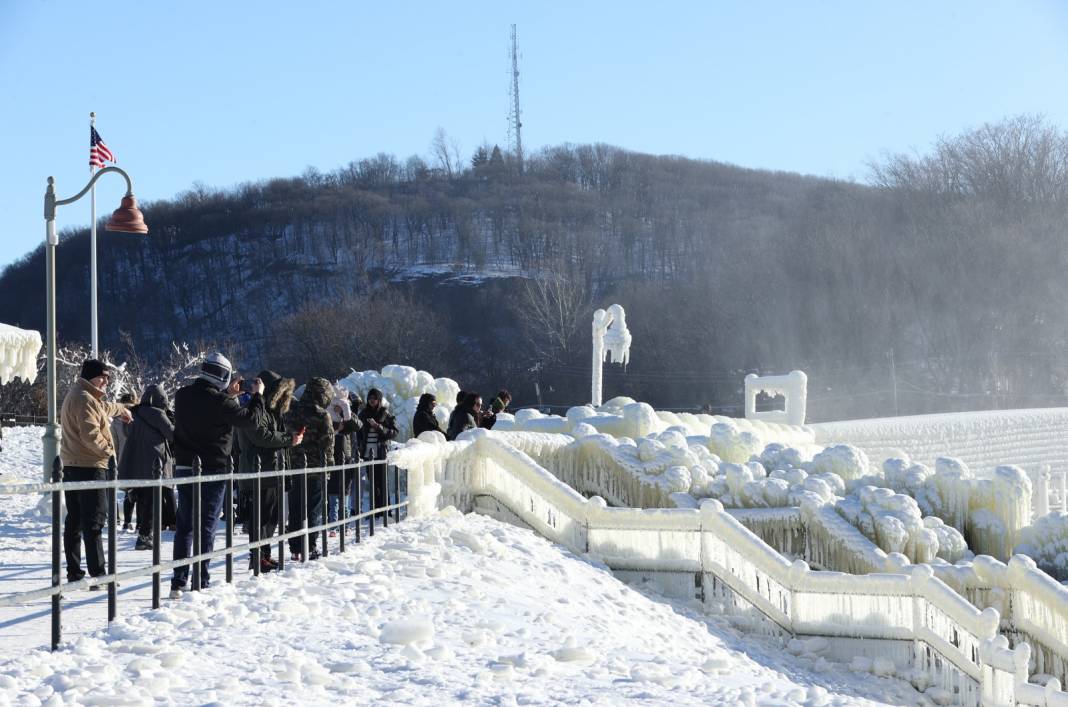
x=315, y=450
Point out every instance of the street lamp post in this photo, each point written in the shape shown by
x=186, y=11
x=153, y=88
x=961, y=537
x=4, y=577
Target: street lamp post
x=126, y=219
x=611, y=339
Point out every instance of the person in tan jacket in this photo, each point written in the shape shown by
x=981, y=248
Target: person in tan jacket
x=85, y=449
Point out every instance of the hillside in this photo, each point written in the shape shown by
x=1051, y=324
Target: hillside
x=722, y=270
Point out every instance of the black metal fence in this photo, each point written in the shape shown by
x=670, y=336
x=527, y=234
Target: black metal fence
x=11, y=419
x=352, y=490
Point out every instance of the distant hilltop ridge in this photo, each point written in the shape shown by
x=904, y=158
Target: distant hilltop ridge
x=606, y=212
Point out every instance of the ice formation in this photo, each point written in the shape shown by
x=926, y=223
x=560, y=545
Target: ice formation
x=611, y=339
x=401, y=387
x=958, y=655
x=18, y=354
x=1046, y=542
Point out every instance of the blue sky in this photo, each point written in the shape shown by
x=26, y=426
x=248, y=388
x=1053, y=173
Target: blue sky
x=226, y=92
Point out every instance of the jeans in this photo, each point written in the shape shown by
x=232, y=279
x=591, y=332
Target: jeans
x=211, y=499
x=87, y=511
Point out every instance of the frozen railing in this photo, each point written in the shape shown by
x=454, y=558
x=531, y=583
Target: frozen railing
x=819, y=535
x=793, y=387
x=915, y=617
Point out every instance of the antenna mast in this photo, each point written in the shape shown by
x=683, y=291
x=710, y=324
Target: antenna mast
x=515, y=122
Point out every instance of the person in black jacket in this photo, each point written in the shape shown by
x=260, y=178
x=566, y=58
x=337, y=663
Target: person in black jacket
x=424, y=420
x=465, y=416
x=119, y=431
x=264, y=447
x=205, y=415
x=147, y=455
x=378, y=427
x=315, y=450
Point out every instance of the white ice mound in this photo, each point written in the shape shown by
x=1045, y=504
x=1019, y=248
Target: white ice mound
x=845, y=460
x=401, y=387
x=730, y=444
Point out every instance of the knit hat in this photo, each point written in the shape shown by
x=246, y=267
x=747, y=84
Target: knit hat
x=91, y=368
x=216, y=369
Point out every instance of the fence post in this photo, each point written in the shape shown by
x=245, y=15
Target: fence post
x=282, y=503
x=342, y=508
x=196, y=524
x=113, y=521
x=358, y=505
x=257, y=520
x=396, y=493
x=385, y=487
x=324, y=497
x=371, y=499
x=157, y=527
x=57, y=540
x=305, y=540
x=228, y=501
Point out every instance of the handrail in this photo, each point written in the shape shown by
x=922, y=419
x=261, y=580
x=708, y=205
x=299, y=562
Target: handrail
x=928, y=611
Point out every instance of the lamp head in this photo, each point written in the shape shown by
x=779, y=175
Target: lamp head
x=127, y=218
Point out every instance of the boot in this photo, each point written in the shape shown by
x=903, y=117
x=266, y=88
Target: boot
x=143, y=543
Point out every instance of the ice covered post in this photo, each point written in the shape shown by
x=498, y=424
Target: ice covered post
x=1041, y=492
x=612, y=338
x=794, y=388
x=125, y=219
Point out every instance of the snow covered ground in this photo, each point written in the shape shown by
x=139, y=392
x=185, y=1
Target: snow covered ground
x=445, y=609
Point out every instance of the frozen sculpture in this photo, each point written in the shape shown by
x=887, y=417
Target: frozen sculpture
x=611, y=337
x=793, y=386
x=18, y=354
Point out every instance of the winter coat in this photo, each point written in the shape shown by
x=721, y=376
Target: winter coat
x=204, y=420
x=86, y=422
x=147, y=452
x=317, y=447
x=343, y=452
x=460, y=421
x=268, y=438
x=389, y=430
x=119, y=431
x=424, y=420
x=343, y=432
x=486, y=420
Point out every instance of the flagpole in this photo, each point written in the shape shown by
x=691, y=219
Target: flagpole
x=92, y=245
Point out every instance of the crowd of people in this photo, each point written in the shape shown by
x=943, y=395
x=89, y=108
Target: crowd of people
x=265, y=424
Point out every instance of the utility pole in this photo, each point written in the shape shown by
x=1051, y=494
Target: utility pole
x=515, y=122
x=893, y=379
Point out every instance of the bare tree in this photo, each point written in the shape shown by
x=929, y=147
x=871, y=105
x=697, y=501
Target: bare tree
x=1018, y=160
x=553, y=311
x=446, y=152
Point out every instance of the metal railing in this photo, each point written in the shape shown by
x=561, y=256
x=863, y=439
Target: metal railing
x=11, y=419
x=350, y=486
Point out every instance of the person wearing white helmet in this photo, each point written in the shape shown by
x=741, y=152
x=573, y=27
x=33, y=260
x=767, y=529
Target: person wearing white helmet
x=205, y=414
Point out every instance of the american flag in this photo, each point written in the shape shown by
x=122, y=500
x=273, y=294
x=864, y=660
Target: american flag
x=98, y=151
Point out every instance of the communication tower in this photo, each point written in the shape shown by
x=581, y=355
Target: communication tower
x=515, y=121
